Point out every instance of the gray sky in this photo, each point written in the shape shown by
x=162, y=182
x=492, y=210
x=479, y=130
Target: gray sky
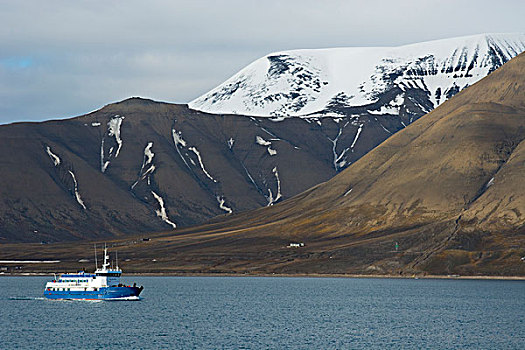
x=65, y=58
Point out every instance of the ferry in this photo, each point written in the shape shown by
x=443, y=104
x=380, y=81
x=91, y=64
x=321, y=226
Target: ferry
x=104, y=284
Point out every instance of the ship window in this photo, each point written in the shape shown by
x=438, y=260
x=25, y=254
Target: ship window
x=109, y=274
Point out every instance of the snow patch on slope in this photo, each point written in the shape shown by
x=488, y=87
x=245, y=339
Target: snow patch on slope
x=338, y=161
x=357, y=135
x=222, y=205
x=147, y=160
x=271, y=199
x=231, y=141
x=103, y=164
x=197, y=153
x=77, y=195
x=179, y=142
x=161, y=212
x=177, y=138
x=114, y=130
x=54, y=157
x=260, y=141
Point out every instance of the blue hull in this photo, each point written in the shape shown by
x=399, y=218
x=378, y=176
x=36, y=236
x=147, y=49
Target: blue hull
x=104, y=293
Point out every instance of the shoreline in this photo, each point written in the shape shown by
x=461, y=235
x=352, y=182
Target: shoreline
x=266, y=275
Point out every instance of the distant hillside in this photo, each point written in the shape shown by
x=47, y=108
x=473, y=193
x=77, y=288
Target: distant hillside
x=144, y=166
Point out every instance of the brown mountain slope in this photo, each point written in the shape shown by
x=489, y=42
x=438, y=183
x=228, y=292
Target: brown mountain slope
x=220, y=164
x=443, y=196
x=95, y=175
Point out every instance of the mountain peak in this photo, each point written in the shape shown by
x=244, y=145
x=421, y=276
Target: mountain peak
x=137, y=100
x=319, y=82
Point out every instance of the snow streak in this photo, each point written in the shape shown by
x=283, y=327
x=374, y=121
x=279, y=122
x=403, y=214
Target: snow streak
x=77, y=195
x=177, y=138
x=179, y=141
x=148, y=158
x=385, y=129
x=114, y=130
x=197, y=153
x=338, y=161
x=271, y=199
x=357, y=135
x=162, y=211
x=56, y=162
x=221, y=201
x=54, y=157
x=103, y=165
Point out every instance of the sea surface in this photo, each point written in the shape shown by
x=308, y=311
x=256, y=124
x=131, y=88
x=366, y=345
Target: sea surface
x=270, y=313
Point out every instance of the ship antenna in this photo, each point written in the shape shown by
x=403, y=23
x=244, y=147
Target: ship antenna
x=96, y=266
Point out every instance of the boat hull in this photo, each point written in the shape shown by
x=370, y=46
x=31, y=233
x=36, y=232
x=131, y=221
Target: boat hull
x=104, y=293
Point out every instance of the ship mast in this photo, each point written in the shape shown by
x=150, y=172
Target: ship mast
x=106, y=259
x=96, y=265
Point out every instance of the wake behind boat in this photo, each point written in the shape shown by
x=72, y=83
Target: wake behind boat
x=104, y=284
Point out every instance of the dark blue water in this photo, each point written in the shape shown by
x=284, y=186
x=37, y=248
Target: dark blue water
x=271, y=313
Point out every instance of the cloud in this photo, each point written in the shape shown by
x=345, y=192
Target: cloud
x=66, y=58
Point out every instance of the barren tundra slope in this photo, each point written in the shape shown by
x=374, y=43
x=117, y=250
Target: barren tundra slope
x=443, y=196
x=144, y=166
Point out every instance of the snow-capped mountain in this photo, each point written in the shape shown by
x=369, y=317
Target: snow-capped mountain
x=409, y=80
